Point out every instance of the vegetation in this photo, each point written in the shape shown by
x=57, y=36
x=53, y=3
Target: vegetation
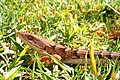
x=68, y=22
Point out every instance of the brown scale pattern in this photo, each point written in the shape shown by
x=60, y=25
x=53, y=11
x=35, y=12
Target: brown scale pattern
x=68, y=55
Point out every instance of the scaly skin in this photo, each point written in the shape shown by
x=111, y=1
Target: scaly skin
x=67, y=54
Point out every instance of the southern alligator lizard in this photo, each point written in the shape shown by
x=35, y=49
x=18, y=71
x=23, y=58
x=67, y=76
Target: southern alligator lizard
x=67, y=54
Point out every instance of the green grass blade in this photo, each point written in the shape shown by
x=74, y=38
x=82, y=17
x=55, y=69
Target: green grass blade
x=92, y=59
x=22, y=53
x=17, y=45
x=12, y=73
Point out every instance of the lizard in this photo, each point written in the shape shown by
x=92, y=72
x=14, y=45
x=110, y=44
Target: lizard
x=65, y=54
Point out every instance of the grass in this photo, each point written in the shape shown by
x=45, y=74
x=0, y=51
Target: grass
x=68, y=22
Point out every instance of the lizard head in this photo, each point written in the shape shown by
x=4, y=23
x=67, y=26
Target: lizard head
x=36, y=42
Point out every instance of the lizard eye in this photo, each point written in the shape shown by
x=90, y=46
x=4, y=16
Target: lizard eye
x=30, y=37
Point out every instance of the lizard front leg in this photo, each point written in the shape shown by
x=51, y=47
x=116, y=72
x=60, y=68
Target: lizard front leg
x=47, y=59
